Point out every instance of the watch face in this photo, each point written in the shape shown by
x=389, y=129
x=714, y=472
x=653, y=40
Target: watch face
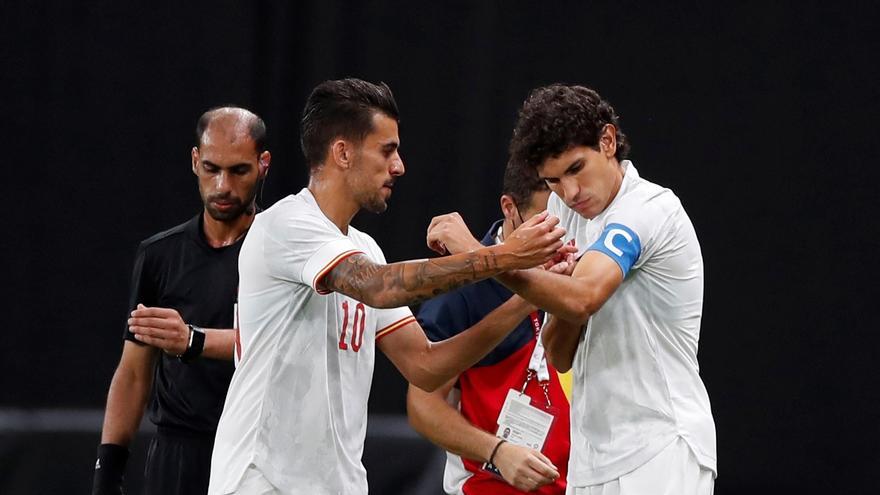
x=196, y=344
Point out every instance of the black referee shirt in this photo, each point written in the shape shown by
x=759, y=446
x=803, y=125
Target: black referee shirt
x=178, y=269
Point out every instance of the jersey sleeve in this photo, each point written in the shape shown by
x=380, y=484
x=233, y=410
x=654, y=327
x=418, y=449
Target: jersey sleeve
x=143, y=288
x=629, y=232
x=304, y=248
x=390, y=320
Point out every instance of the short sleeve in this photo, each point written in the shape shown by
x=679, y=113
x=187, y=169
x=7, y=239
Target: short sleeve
x=142, y=290
x=303, y=248
x=392, y=319
x=621, y=244
x=629, y=230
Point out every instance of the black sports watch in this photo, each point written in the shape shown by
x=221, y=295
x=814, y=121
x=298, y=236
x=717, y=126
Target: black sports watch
x=196, y=344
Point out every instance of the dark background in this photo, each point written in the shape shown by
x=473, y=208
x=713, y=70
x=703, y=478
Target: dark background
x=759, y=116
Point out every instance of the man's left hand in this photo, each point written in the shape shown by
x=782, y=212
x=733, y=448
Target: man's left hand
x=160, y=327
x=449, y=234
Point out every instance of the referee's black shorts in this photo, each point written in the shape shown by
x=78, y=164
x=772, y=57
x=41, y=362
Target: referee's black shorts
x=178, y=463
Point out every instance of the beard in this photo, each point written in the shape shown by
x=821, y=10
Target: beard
x=367, y=198
x=374, y=203
x=238, y=208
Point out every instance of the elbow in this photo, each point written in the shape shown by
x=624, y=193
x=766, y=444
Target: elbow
x=425, y=379
x=427, y=382
x=580, y=306
x=561, y=364
x=578, y=311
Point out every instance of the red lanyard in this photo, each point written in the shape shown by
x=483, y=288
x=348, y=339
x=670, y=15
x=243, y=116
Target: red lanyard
x=536, y=323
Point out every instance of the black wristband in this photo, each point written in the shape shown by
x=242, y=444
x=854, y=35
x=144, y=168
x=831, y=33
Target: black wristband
x=109, y=469
x=495, y=451
x=196, y=344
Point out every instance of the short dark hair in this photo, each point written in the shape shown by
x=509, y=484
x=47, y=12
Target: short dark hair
x=342, y=108
x=555, y=118
x=256, y=126
x=521, y=182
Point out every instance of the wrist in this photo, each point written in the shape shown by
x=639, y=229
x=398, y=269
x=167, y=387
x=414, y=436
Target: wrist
x=504, y=259
x=109, y=468
x=196, y=344
x=494, y=454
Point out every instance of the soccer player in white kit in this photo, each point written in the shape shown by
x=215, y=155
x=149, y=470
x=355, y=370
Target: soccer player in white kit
x=311, y=289
x=627, y=320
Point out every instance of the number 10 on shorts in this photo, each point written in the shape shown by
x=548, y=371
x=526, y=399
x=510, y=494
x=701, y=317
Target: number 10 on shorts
x=359, y=321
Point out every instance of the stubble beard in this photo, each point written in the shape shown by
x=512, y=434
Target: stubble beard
x=375, y=204
x=241, y=207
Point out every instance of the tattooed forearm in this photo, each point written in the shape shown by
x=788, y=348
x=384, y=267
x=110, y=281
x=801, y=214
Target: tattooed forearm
x=410, y=282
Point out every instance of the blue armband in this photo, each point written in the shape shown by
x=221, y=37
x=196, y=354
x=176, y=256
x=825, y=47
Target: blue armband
x=621, y=244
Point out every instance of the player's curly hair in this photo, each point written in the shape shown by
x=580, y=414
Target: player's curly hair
x=555, y=118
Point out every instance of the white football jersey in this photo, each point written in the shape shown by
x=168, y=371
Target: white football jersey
x=636, y=384
x=296, y=409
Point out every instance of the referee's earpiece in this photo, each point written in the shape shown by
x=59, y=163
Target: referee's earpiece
x=194, y=155
x=263, y=163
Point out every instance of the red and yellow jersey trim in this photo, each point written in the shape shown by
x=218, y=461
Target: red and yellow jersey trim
x=330, y=266
x=397, y=325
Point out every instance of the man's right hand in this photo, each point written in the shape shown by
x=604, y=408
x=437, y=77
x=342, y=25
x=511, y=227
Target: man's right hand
x=524, y=468
x=535, y=242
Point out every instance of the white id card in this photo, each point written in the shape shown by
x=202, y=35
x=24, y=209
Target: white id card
x=522, y=423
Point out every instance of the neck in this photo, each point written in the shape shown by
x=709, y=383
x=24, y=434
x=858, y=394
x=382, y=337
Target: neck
x=618, y=180
x=223, y=233
x=334, y=200
x=506, y=228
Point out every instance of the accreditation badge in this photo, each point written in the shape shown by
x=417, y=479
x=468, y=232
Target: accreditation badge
x=521, y=423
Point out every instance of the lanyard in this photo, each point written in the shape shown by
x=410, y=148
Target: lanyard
x=538, y=362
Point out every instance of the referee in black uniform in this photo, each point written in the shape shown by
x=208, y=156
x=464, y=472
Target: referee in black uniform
x=179, y=340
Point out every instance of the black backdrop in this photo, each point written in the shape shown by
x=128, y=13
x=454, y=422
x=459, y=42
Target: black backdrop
x=758, y=116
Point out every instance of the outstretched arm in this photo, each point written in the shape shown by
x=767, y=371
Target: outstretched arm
x=429, y=365
x=573, y=298
x=411, y=282
x=436, y=420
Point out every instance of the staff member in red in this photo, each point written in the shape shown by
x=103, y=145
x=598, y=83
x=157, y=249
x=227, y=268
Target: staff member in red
x=463, y=416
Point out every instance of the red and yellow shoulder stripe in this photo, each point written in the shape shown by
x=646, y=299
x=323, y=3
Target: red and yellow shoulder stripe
x=394, y=326
x=330, y=266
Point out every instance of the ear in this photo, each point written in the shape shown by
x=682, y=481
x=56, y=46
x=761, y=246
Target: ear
x=195, y=160
x=264, y=161
x=342, y=153
x=508, y=208
x=608, y=140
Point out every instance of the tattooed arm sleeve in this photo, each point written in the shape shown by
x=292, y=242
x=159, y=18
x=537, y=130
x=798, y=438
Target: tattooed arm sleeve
x=409, y=282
